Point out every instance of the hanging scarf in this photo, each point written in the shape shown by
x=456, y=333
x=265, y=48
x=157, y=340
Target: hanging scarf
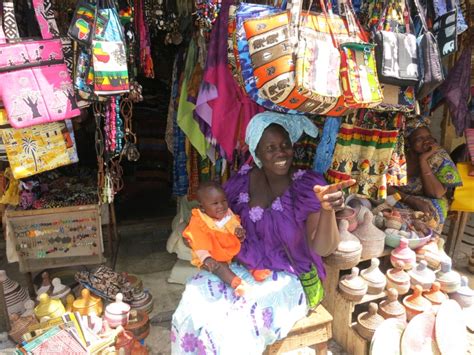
x=141, y=28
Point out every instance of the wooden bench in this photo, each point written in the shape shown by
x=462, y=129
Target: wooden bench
x=314, y=331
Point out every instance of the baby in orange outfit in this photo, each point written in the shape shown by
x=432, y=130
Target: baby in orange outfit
x=214, y=234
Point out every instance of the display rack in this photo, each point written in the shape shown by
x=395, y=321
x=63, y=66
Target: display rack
x=344, y=312
x=55, y=237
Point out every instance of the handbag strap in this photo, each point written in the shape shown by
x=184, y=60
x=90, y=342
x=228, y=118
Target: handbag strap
x=421, y=12
x=383, y=15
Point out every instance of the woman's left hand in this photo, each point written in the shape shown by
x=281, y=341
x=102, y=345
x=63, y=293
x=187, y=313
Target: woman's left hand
x=432, y=149
x=331, y=196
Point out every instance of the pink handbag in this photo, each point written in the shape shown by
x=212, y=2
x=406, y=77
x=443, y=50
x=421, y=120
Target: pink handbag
x=35, y=86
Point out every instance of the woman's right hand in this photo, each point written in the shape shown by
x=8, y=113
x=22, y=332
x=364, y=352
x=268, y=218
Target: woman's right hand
x=331, y=196
x=419, y=204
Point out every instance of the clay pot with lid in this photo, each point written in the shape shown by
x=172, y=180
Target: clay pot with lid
x=129, y=344
x=391, y=308
x=405, y=254
x=88, y=304
x=397, y=278
x=375, y=279
x=435, y=295
x=117, y=312
x=449, y=279
x=46, y=286
x=15, y=295
x=371, y=238
x=349, y=249
x=416, y=303
x=49, y=308
x=348, y=214
x=60, y=291
x=464, y=295
x=367, y=322
x=138, y=324
x=422, y=275
x=352, y=286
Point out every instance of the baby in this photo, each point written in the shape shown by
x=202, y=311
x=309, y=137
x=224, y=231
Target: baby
x=214, y=234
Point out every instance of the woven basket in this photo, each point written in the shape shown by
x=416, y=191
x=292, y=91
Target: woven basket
x=350, y=296
x=371, y=238
x=342, y=260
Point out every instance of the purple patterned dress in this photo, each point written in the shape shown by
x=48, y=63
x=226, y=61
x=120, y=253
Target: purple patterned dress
x=210, y=319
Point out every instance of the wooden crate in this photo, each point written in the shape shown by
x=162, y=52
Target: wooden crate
x=55, y=237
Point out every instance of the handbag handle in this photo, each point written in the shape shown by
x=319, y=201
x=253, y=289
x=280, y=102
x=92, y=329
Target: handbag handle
x=383, y=16
x=422, y=16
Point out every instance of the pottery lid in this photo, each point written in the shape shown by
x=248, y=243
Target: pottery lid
x=416, y=301
x=435, y=295
x=465, y=290
x=446, y=275
x=373, y=273
x=403, y=251
x=349, y=242
x=397, y=274
x=86, y=300
x=391, y=305
x=118, y=307
x=59, y=290
x=422, y=273
x=370, y=320
x=367, y=230
x=346, y=212
x=29, y=307
x=353, y=281
x=47, y=306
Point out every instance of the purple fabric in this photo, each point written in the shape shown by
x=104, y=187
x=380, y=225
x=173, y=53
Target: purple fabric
x=283, y=221
x=455, y=91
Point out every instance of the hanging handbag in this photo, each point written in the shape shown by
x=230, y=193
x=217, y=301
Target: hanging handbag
x=35, y=86
x=85, y=21
x=396, y=55
x=359, y=81
x=431, y=75
x=444, y=29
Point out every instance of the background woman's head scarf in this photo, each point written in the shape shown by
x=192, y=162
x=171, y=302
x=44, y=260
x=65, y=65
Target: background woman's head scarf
x=413, y=123
x=295, y=125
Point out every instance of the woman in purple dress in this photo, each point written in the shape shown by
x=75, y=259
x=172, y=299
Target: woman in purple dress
x=290, y=223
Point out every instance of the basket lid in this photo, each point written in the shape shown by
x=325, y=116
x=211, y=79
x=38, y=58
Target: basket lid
x=349, y=243
x=370, y=319
x=435, y=295
x=373, y=273
x=403, y=251
x=446, y=275
x=397, y=274
x=391, y=305
x=422, y=273
x=416, y=301
x=353, y=281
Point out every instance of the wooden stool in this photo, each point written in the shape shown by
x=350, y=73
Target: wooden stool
x=314, y=331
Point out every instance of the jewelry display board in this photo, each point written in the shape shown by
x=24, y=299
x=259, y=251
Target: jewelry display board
x=55, y=237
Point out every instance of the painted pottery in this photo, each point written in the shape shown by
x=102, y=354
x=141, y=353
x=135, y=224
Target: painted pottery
x=46, y=286
x=393, y=237
x=129, y=344
x=29, y=308
x=391, y=308
x=371, y=238
x=88, y=303
x=387, y=337
x=419, y=335
x=48, y=307
x=435, y=295
x=449, y=279
x=422, y=275
x=405, y=254
x=416, y=303
x=348, y=214
x=117, y=312
x=352, y=286
x=19, y=326
x=60, y=291
x=374, y=278
x=143, y=302
x=367, y=322
x=464, y=294
x=15, y=295
x=349, y=249
x=69, y=302
x=138, y=324
x=397, y=278
x=451, y=333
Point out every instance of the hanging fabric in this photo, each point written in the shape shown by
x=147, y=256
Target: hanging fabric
x=445, y=31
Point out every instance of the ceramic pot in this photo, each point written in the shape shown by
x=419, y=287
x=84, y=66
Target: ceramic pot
x=422, y=275
x=352, y=286
x=348, y=214
x=397, y=278
x=60, y=291
x=143, y=302
x=416, y=303
x=15, y=295
x=29, y=308
x=348, y=251
x=393, y=220
x=371, y=238
x=449, y=279
x=374, y=278
x=435, y=295
x=129, y=344
x=45, y=287
x=391, y=308
x=138, y=324
x=88, y=304
x=367, y=322
x=69, y=302
x=464, y=295
x=49, y=308
x=117, y=312
x=19, y=326
x=405, y=254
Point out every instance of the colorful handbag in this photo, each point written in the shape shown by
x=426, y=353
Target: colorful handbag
x=35, y=86
x=397, y=98
x=444, y=29
x=396, y=55
x=85, y=21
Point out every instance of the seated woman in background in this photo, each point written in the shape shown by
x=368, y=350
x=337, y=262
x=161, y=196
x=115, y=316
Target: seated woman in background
x=430, y=170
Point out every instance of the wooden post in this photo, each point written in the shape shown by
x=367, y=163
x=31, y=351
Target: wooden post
x=4, y=319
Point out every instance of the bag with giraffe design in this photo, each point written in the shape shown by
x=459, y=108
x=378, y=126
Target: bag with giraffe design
x=35, y=86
